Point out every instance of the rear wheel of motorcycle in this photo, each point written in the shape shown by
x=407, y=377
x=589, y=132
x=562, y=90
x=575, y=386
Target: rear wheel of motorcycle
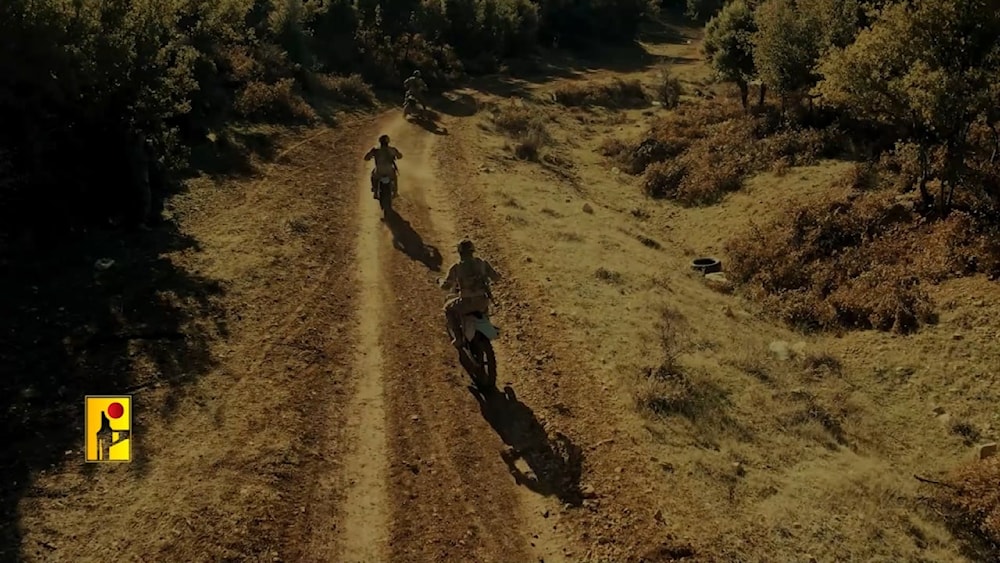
x=385, y=199
x=482, y=350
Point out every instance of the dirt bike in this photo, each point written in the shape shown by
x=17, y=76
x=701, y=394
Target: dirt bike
x=477, y=347
x=385, y=189
x=411, y=106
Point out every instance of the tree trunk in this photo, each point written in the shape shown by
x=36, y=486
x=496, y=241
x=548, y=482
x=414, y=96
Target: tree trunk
x=925, y=196
x=744, y=95
x=761, y=93
x=996, y=143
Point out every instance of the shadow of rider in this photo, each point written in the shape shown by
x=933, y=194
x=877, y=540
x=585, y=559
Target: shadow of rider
x=409, y=242
x=554, y=462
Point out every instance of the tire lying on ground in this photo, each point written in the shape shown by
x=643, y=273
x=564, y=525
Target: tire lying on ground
x=706, y=265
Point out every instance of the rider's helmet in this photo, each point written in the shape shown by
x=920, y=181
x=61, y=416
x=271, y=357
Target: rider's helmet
x=384, y=140
x=465, y=247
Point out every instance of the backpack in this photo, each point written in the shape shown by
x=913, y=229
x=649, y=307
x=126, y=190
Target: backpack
x=478, y=275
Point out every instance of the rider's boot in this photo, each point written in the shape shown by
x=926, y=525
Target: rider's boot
x=457, y=329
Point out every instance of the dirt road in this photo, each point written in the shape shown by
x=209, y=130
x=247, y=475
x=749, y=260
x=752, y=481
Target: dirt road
x=444, y=496
x=342, y=426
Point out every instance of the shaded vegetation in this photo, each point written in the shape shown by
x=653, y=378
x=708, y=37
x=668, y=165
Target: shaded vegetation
x=97, y=94
x=615, y=94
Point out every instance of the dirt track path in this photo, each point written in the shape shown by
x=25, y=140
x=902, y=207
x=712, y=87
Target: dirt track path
x=447, y=495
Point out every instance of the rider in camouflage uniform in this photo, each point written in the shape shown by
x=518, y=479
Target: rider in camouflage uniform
x=471, y=275
x=385, y=157
x=415, y=86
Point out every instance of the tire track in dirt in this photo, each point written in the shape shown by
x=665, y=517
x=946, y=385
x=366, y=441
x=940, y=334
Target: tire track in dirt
x=449, y=491
x=620, y=524
x=327, y=496
x=514, y=425
x=364, y=516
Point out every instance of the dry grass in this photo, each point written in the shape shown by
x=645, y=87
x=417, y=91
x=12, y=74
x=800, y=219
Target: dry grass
x=671, y=389
x=858, y=262
x=828, y=448
x=618, y=93
x=523, y=124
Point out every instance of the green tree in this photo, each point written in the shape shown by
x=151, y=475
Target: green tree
x=787, y=46
x=702, y=10
x=729, y=45
x=927, y=70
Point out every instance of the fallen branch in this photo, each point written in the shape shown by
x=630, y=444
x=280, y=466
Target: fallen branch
x=601, y=443
x=933, y=482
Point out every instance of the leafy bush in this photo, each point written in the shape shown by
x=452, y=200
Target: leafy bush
x=702, y=10
x=273, y=102
x=729, y=46
x=350, y=90
x=80, y=74
x=524, y=125
x=668, y=89
x=973, y=502
x=615, y=94
x=663, y=179
x=859, y=262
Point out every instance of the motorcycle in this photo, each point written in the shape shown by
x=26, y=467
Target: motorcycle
x=411, y=106
x=477, y=348
x=385, y=189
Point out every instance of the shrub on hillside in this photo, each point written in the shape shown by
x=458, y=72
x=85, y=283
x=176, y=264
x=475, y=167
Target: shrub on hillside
x=524, y=125
x=972, y=504
x=710, y=175
x=349, y=90
x=663, y=179
x=717, y=146
x=273, y=102
x=859, y=262
x=616, y=94
x=668, y=89
x=862, y=176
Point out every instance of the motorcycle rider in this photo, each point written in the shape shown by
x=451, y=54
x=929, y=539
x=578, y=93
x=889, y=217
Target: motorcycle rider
x=471, y=275
x=415, y=87
x=385, y=157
